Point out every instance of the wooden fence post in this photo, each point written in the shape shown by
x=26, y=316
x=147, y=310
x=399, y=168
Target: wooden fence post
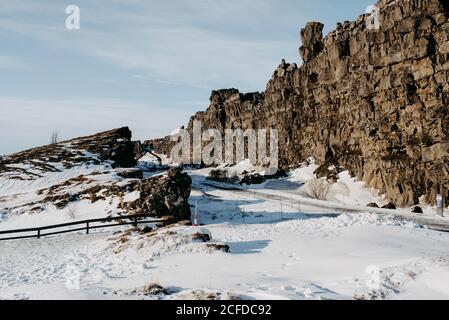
x=87, y=227
x=282, y=210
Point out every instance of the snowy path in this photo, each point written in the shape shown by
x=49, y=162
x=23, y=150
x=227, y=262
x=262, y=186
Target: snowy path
x=290, y=198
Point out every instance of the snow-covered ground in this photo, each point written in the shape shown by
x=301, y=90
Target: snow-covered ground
x=19, y=198
x=277, y=251
x=29, y=203
x=345, y=195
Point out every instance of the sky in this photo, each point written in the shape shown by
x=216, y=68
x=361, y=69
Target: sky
x=148, y=64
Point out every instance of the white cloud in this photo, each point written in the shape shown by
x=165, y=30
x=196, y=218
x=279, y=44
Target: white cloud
x=190, y=42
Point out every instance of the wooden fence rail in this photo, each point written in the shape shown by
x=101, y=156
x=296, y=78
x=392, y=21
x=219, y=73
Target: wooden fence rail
x=88, y=225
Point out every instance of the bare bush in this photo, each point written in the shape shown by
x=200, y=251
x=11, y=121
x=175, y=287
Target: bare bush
x=54, y=138
x=317, y=189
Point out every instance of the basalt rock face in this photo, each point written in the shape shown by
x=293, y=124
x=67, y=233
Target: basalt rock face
x=312, y=41
x=372, y=101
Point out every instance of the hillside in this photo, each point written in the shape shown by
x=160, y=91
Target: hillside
x=85, y=178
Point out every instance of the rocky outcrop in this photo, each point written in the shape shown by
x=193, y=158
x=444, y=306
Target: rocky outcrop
x=312, y=41
x=164, y=196
x=161, y=146
x=138, y=150
x=122, y=192
x=372, y=101
x=113, y=147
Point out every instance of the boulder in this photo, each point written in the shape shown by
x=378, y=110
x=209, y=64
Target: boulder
x=390, y=206
x=280, y=173
x=165, y=196
x=250, y=179
x=131, y=174
x=417, y=209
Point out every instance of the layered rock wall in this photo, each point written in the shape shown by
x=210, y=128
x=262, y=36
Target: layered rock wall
x=373, y=101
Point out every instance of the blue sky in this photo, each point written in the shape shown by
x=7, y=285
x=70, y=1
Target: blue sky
x=148, y=64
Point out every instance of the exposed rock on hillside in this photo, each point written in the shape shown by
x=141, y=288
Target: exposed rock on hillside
x=160, y=196
x=113, y=147
x=372, y=101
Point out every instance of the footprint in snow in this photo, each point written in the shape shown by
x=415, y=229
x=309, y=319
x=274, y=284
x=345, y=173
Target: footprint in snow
x=286, y=265
x=305, y=292
x=289, y=288
x=294, y=257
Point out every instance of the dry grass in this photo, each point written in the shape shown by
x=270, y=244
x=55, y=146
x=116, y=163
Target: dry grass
x=204, y=237
x=219, y=247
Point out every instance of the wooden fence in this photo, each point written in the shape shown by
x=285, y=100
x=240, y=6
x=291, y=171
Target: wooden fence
x=85, y=225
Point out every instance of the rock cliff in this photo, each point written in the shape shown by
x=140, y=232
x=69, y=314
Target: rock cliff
x=373, y=101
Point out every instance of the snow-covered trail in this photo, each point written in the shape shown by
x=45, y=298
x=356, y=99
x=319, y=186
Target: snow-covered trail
x=292, y=199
